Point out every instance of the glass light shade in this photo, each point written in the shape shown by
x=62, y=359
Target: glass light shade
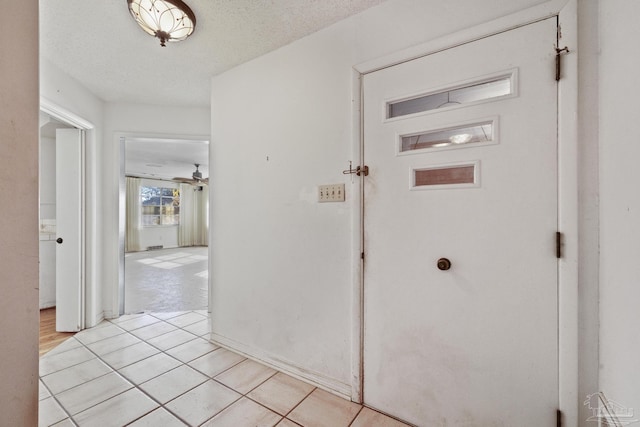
x=168, y=20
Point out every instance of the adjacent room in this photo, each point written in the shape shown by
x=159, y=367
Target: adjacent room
x=167, y=225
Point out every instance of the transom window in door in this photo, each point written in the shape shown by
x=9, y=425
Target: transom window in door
x=479, y=90
x=479, y=132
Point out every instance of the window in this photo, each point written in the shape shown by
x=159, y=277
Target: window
x=160, y=206
x=462, y=175
x=483, y=90
x=451, y=137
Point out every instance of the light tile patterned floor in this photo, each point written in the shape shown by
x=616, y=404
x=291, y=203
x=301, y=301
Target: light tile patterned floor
x=158, y=369
x=166, y=280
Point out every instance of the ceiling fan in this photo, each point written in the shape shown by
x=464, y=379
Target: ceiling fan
x=196, y=177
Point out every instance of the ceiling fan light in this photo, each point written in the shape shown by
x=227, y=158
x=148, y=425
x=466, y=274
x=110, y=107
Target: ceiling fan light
x=168, y=20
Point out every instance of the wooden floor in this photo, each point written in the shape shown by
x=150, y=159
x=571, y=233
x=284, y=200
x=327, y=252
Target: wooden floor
x=49, y=338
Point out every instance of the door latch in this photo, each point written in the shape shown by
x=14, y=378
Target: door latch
x=360, y=170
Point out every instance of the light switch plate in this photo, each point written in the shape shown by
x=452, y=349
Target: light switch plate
x=331, y=193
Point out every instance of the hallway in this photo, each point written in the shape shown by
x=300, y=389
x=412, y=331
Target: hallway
x=158, y=369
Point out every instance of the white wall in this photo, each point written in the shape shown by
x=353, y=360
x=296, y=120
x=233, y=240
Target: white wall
x=70, y=96
x=281, y=125
x=122, y=119
x=47, y=179
x=19, y=224
x=167, y=237
x=619, y=202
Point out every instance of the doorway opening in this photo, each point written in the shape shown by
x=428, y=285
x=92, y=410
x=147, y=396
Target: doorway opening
x=166, y=224
x=65, y=269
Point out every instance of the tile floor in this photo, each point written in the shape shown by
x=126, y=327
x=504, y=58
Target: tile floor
x=158, y=369
x=166, y=280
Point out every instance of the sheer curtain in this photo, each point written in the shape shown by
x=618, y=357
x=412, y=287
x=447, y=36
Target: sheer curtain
x=132, y=241
x=201, y=216
x=186, y=229
x=193, y=229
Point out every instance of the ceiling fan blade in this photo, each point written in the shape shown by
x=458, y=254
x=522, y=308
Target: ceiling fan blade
x=184, y=180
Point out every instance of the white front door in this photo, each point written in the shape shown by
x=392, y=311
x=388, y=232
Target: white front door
x=69, y=230
x=462, y=151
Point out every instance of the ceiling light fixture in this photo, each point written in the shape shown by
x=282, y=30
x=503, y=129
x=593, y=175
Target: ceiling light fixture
x=168, y=20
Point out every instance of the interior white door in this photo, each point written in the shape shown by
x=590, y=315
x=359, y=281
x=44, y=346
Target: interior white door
x=475, y=344
x=69, y=229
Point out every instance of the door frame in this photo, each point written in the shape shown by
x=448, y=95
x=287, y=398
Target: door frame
x=568, y=210
x=89, y=314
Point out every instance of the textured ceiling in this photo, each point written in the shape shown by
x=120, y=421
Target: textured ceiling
x=99, y=44
x=165, y=158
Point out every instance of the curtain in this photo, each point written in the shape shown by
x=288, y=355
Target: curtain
x=194, y=209
x=201, y=216
x=186, y=231
x=132, y=203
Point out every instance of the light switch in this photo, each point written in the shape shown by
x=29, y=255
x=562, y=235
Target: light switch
x=331, y=193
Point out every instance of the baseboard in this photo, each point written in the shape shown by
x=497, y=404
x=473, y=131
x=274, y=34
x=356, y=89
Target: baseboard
x=91, y=323
x=108, y=314
x=314, y=378
x=99, y=318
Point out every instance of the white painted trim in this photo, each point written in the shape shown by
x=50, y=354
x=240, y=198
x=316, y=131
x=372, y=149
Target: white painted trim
x=118, y=297
x=83, y=229
x=60, y=113
x=357, y=247
x=315, y=378
x=89, y=229
x=567, y=176
x=160, y=137
x=568, y=220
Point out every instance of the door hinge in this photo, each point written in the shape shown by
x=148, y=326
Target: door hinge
x=559, y=53
x=558, y=418
x=362, y=256
x=559, y=32
x=558, y=244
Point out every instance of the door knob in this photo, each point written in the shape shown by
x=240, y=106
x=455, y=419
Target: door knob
x=59, y=240
x=443, y=264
